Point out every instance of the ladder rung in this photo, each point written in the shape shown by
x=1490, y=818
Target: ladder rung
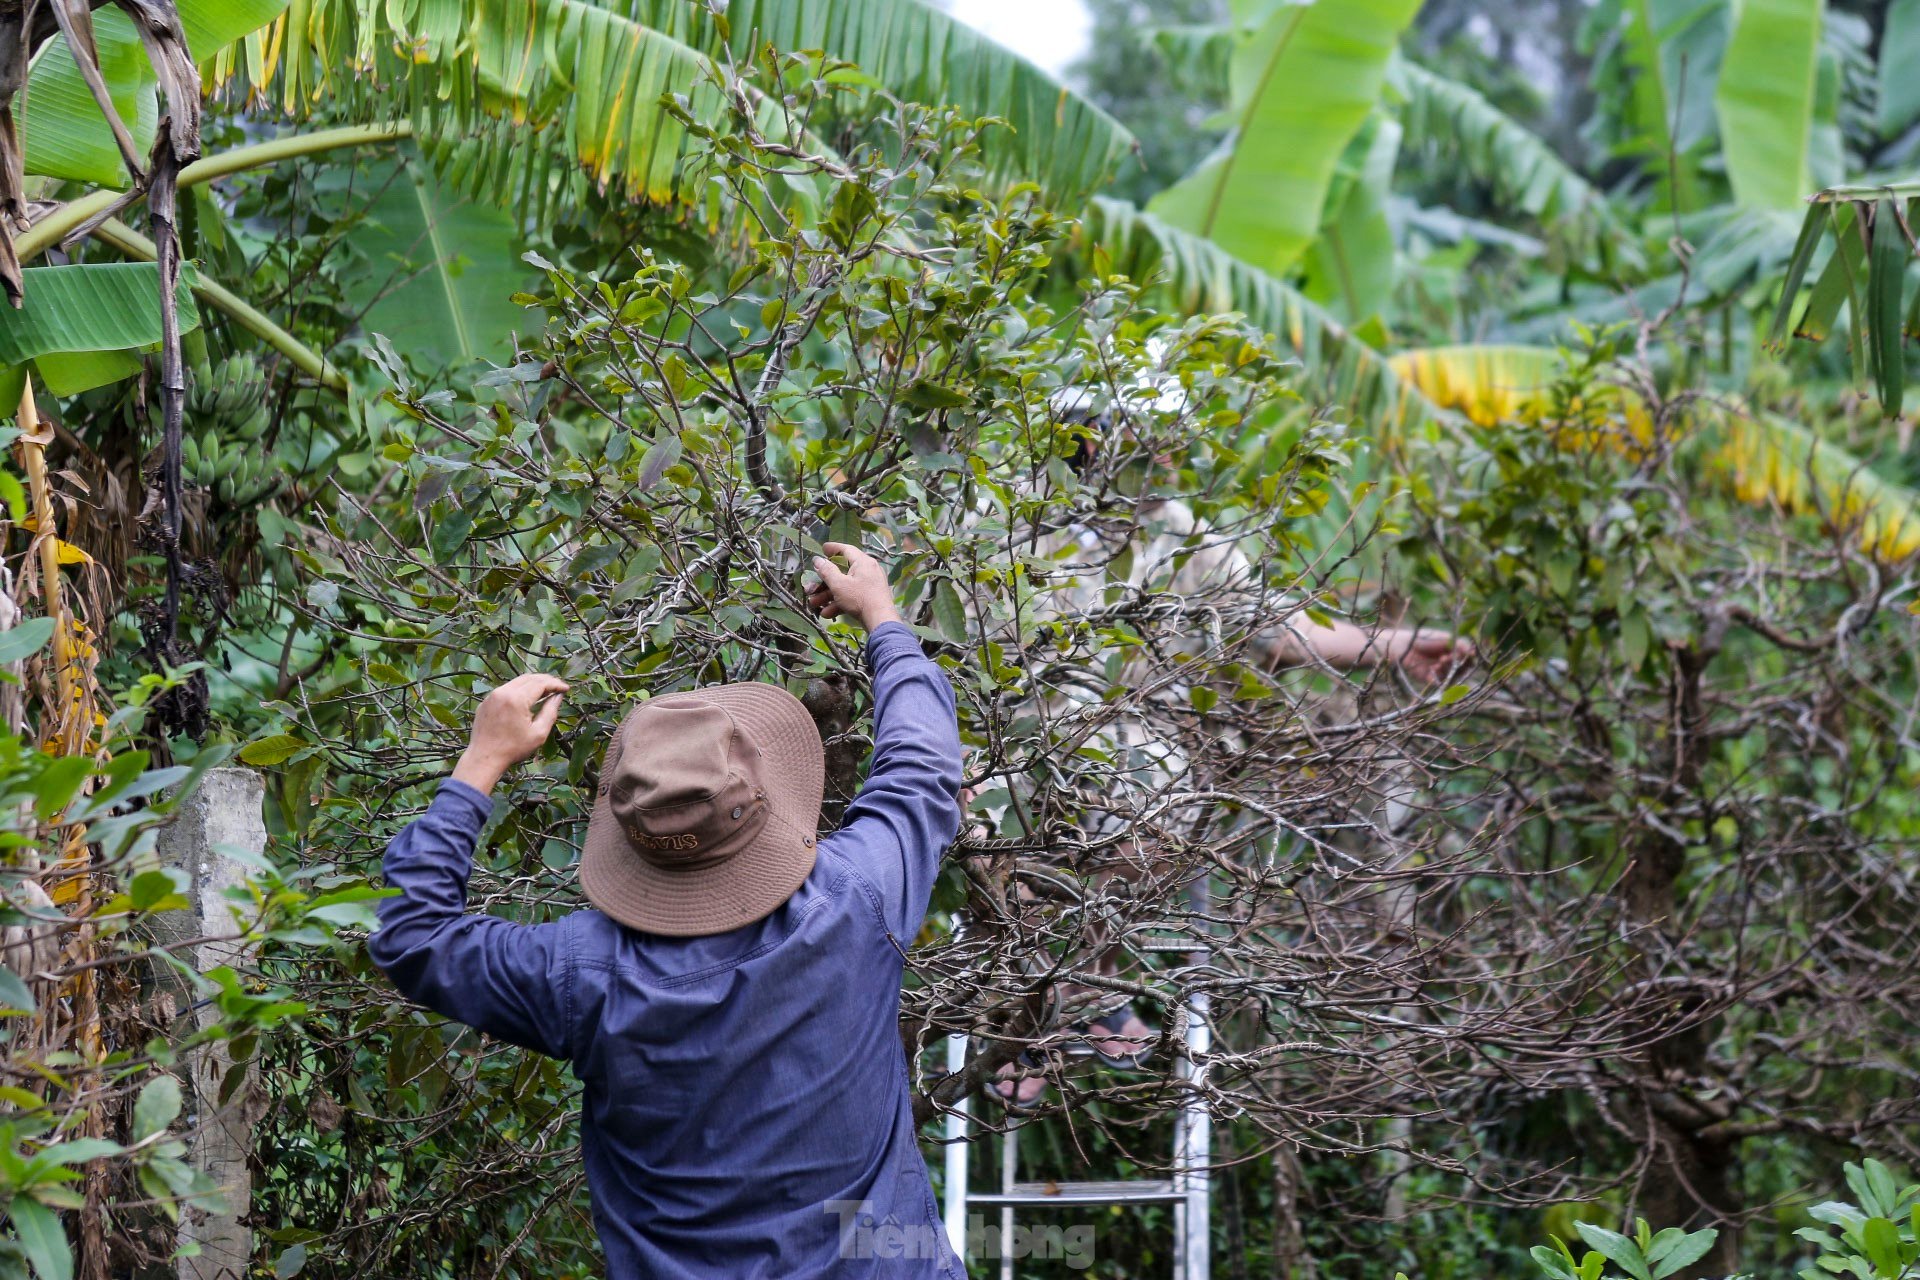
x=1146, y=1191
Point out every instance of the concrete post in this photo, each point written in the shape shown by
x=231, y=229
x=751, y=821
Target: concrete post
x=224, y=810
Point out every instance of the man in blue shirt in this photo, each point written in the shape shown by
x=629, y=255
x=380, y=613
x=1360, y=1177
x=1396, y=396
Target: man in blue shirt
x=731, y=1002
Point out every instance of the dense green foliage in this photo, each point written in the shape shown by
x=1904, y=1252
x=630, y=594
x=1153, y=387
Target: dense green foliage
x=557, y=333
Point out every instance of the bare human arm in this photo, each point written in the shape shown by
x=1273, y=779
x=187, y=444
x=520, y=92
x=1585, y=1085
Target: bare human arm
x=1427, y=654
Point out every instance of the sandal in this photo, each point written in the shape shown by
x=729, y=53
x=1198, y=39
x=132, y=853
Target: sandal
x=1113, y=1027
x=1016, y=1073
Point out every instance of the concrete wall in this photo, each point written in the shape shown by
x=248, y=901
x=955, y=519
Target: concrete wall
x=225, y=810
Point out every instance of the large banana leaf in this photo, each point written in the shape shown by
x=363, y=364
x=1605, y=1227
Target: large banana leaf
x=1525, y=173
x=1899, y=95
x=1303, y=82
x=521, y=84
x=1846, y=61
x=1674, y=49
x=599, y=78
x=1196, y=275
x=1349, y=269
x=1487, y=384
x=1765, y=100
x=526, y=97
x=64, y=133
x=1761, y=458
x=83, y=326
x=439, y=271
x=1774, y=460
x=1053, y=137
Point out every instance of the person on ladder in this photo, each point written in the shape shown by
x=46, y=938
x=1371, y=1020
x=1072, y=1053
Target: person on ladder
x=1171, y=551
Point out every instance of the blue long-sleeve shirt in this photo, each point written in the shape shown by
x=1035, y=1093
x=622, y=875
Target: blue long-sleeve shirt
x=747, y=1111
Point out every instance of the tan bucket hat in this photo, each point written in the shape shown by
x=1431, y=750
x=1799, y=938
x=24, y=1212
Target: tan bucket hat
x=707, y=809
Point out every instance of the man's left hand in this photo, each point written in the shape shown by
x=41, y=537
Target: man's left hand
x=1429, y=657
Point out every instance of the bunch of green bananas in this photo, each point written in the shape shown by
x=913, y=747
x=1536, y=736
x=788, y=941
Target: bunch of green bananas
x=228, y=403
x=231, y=397
x=235, y=471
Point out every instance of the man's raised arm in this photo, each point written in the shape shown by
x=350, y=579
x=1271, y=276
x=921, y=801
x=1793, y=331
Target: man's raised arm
x=508, y=980
x=908, y=811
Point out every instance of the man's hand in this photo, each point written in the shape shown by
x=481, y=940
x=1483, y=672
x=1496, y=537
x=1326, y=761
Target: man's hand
x=860, y=591
x=1429, y=657
x=507, y=728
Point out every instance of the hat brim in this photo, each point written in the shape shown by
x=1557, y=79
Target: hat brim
x=753, y=883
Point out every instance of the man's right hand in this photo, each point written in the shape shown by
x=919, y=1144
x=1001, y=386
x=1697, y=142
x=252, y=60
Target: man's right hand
x=510, y=726
x=860, y=591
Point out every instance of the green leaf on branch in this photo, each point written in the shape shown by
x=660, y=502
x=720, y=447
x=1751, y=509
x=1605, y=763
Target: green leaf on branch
x=1617, y=1249
x=1673, y=1250
x=25, y=639
x=932, y=396
x=949, y=614
x=1881, y=1239
x=162, y=890
x=157, y=1106
x=43, y=1238
x=277, y=749
x=15, y=995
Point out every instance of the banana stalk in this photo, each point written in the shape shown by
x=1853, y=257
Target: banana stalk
x=70, y=733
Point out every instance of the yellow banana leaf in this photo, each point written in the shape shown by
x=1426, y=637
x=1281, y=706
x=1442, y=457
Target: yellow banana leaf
x=1761, y=458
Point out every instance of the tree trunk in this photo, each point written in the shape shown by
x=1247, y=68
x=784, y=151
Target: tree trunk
x=1689, y=1178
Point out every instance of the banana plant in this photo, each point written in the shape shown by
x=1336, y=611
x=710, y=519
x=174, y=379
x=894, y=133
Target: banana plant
x=1195, y=275
x=1304, y=79
x=1524, y=173
x=529, y=103
x=1765, y=100
x=1052, y=135
x=1661, y=78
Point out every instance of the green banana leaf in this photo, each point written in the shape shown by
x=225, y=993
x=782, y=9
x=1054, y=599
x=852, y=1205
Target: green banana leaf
x=1304, y=81
x=1350, y=268
x=1053, y=136
x=64, y=132
x=520, y=102
x=1898, y=102
x=439, y=272
x=1846, y=61
x=61, y=125
x=85, y=325
x=1195, y=275
x=524, y=102
x=1765, y=100
x=1674, y=49
x=1525, y=173
x=600, y=78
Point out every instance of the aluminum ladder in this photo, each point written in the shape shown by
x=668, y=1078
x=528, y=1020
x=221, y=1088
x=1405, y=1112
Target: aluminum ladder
x=1188, y=1190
